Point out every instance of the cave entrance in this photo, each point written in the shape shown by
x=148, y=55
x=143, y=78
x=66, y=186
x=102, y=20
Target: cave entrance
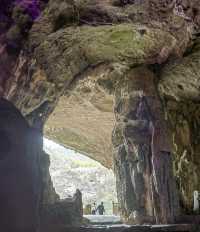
x=71, y=170
x=84, y=120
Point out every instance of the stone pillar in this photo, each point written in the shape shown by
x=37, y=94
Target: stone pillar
x=66, y=212
x=20, y=148
x=146, y=159
x=125, y=190
x=49, y=195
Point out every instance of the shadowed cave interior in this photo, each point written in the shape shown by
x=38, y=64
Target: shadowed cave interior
x=115, y=80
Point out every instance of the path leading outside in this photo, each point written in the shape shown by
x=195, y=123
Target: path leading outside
x=111, y=223
x=113, y=228
x=103, y=219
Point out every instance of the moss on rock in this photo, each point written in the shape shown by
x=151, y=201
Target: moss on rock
x=124, y=43
x=84, y=46
x=179, y=87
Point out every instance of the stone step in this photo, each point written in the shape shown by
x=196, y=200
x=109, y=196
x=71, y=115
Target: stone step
x=125, y=228
x=175, y=228
x=155, y=228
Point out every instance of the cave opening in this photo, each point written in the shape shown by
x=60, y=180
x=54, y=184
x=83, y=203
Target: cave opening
x=70, y=170
x=115, y=79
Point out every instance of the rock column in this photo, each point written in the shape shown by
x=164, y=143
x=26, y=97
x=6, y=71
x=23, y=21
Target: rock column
x=144, y=153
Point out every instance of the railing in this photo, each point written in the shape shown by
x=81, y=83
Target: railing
x=87, y=210
x=115, y=208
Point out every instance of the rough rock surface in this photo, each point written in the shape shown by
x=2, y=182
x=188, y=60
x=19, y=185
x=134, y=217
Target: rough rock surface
x=65, y=212
x=179, y=87
x=53, y=210
x=87, y=48
x=136, y=228
x=49, y=195
x=20, y=150
x=144, y=153
x=93, y=94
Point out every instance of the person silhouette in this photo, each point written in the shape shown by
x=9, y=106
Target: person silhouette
x=100, y=209
x=94, y=208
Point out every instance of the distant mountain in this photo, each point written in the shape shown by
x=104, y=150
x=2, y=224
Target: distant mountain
x=70, y=170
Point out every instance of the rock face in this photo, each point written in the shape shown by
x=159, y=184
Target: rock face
x=20, y=149
x=144, y=152
x=54, y=211
x=25, y=179
x=87, y=67
x=179, y=87
x=49, y=195
x=66, y=212
x=93, y=94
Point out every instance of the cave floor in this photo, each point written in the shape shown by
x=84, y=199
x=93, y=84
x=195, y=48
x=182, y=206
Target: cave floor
x=103, y=219
x=136, y=228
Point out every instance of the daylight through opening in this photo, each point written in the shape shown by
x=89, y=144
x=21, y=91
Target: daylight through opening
x=71, y=170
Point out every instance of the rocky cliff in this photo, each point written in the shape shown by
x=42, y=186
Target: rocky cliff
x=113, y=77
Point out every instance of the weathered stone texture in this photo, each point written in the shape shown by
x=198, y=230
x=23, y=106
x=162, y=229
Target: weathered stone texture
x=49, y=195
x=146, y=150
x=67, y=212
x=20, y=179
x=93, y=96
x=82, y=58
x=179, y=87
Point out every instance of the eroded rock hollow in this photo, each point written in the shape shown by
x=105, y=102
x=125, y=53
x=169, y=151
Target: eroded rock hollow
x=118, y=81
